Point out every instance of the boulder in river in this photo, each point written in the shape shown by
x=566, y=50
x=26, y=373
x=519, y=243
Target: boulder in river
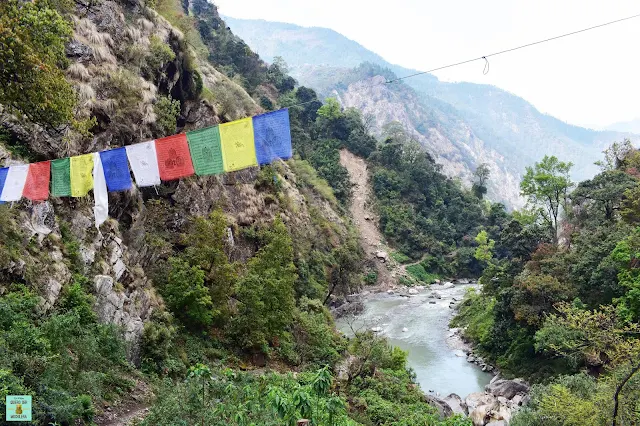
x=353, y=298
x=434, y=295
x=413, y=291
x=447, y=285
x=433, y=302
x=456, y=403
x=376, y=329
x=507, y=388
x=405, y=329
x=444, y=410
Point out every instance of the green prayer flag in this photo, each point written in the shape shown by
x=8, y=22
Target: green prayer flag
x=61, y=178
x=206, y=153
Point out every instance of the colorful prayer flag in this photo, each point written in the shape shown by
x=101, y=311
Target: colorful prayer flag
x=116, y=169
x=3, y=178
x=238, y=149
x=100, y=194
x=81, y=168
x=174, y=158
x=206, y=152
x=272, y=136
x=61, y=177
x=14, y=183
x=144, y=163
x=36, y=188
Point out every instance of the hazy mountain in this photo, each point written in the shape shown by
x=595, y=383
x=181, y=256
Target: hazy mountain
x=632, y=126
x=463, y=124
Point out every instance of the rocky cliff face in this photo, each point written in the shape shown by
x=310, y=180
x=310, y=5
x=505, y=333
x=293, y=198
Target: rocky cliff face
x=455, y=146
x=56, y=239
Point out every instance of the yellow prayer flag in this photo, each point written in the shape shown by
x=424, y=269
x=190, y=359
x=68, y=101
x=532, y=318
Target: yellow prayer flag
x=81, y=175
x=238, y=147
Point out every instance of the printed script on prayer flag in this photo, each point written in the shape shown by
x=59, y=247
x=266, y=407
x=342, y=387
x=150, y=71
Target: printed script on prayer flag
x=272, y=136
x=144, y=163
x=36, y=188
x=116, y=169
x=81, y=169
x=206, y=151
x=174, y=158
x=238, y=148
x=61, y=177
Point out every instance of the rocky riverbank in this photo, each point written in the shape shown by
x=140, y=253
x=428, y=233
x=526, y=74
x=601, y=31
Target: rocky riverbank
x=416, y=319
x=493, y=407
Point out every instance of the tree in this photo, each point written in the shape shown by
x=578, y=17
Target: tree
x=615, y=155
x=186, y=295
x=535, y=295
x=605, y=192
x=331, y=109
x=597, y=338
x=481, y=175
x=546, y=186
x=32, y=40
x=207, y=245
x=485, y=246
x=266, y=292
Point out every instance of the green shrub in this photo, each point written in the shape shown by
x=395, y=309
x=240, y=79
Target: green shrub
x=266, y=292
x=66, y=360
x=371, y=278
x=32, y=51
x=316, y=340
x=400, y=257
x=418, y=272
x=242, y=399
x=186, y=295
x=476, y=314
x=167, y=111
x=160, y=54
x=309, y=177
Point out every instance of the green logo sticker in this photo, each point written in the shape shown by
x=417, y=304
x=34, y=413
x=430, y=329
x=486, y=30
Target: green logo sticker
x=18, y=408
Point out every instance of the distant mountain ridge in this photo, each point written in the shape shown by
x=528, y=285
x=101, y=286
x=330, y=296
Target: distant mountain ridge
x=632, y=126
x=462, y=124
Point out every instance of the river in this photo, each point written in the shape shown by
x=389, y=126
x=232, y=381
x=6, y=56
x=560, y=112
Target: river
x=437, y=358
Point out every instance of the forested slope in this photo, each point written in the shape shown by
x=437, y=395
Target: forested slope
x=560, y=294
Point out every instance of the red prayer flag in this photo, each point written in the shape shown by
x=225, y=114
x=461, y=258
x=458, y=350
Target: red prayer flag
x=174, y=158
x=36, y=187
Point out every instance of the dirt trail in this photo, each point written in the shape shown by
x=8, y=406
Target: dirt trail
x=131, y=411
x=371, y=239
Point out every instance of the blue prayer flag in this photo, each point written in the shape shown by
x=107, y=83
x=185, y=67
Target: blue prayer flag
x=116, y=169
x=3, y=178
x=272, y=136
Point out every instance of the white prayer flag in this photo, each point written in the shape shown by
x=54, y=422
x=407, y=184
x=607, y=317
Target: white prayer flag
x=14, y=184
x=100, y=194
x=144, y=163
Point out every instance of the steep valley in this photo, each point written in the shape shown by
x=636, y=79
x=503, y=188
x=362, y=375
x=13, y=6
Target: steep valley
x=218, y=299
x=462, y=124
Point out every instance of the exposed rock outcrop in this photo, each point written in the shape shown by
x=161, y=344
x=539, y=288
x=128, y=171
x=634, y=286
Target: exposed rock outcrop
x=501, y=399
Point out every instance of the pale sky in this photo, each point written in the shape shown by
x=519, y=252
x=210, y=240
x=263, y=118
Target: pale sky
x=590, y=79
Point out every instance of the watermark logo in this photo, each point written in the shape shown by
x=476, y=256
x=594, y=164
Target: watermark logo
x=18, y=408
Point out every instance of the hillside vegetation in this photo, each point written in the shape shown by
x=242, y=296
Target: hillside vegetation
x=560, y=303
